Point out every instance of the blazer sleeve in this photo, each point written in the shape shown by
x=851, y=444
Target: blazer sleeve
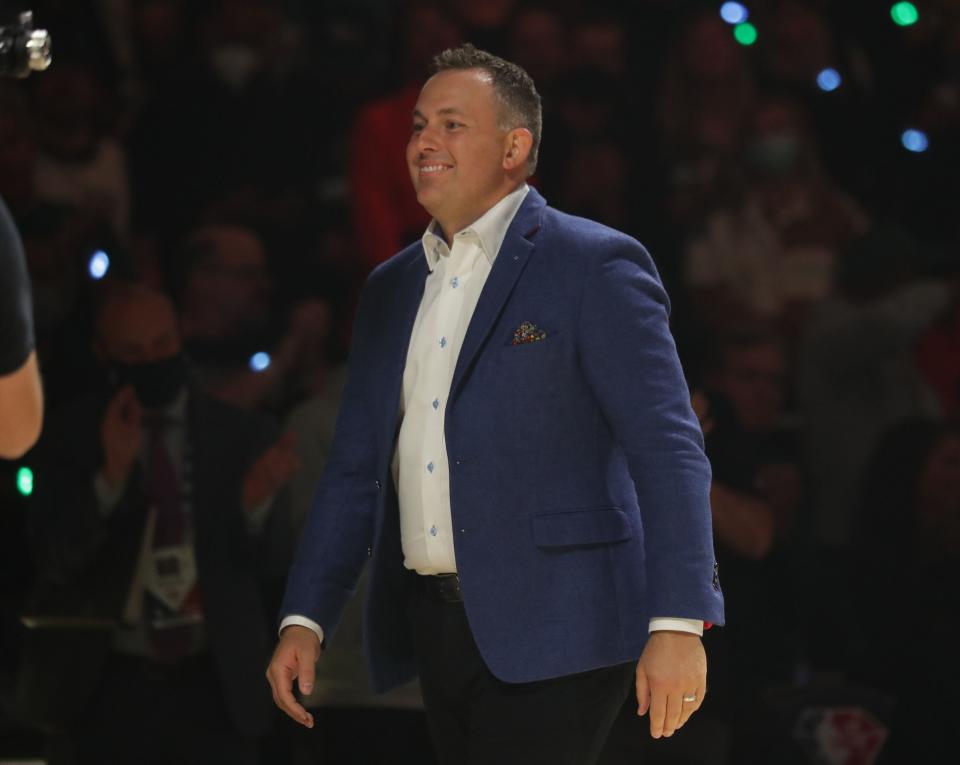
x=332, y=549
x=630, y=362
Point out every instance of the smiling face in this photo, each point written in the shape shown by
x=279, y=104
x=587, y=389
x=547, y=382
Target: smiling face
x=461, y=161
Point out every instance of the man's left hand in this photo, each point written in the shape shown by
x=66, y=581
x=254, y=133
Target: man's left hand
x=673, y=665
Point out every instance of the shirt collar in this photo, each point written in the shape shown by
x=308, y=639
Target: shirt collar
x=490, y=228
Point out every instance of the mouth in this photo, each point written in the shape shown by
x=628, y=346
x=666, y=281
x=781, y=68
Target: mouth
x=433, y=170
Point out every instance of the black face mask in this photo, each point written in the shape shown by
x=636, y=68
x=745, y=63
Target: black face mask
x=156, y=383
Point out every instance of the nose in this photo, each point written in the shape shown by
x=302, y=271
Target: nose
x=426, y=140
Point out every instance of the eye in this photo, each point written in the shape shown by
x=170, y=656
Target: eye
x=451, y=125
x=417, y=127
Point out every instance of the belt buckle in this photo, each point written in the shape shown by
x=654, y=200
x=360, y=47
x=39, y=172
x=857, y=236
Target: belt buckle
x=448, y=586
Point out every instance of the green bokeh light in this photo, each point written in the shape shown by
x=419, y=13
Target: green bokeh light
x=904, y=14
x=745, y=33
x=25, y=481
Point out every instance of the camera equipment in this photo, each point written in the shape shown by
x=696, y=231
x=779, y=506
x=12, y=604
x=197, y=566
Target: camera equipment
x=23, y=49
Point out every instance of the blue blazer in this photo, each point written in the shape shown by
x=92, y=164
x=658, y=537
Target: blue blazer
x=579, y=487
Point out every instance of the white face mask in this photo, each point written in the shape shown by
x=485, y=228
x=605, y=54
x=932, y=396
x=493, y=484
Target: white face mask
x=235, y=64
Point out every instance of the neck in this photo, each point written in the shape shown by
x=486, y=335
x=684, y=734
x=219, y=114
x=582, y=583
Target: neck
x=451, y=226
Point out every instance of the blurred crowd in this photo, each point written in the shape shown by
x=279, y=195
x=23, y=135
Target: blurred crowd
x=202, y=188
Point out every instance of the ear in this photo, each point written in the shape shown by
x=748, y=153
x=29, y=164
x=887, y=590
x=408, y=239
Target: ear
x=519, y=141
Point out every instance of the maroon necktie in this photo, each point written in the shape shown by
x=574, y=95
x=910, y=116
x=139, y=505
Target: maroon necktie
x=170, y=529
x=169, y=642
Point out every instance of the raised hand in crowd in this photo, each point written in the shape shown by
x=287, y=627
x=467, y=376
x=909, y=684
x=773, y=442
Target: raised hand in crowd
x=120, y=435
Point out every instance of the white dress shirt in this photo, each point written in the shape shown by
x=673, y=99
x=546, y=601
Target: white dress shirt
x=419, y=465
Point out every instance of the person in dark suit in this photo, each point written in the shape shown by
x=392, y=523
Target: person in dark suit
x=517, y=455
x=159, y=519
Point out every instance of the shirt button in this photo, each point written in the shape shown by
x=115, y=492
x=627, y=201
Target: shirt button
x=443, y=342
x=454, y=282
x=429, y=467
x=433, y=531
x=436, y=403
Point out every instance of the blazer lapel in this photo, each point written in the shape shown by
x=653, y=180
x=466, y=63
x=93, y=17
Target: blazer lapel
x=507, y=267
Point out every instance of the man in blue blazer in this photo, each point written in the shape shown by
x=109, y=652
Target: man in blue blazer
x=516, y=454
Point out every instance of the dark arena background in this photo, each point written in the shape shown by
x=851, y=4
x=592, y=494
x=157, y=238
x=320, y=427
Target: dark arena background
x=792, y=166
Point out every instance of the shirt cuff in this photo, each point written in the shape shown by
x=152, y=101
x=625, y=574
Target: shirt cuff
x=108, y=497
x=302, y=621
x=660, y=623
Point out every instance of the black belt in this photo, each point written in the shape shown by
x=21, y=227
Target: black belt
x=445, y=587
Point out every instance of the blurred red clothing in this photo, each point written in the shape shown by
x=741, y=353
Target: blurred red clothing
x=938, y=359
x=386, y=214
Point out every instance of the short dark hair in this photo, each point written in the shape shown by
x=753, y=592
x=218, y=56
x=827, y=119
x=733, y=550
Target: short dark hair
x=519, y=99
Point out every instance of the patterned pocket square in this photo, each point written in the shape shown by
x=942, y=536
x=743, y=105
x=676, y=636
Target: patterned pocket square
x=528, y=332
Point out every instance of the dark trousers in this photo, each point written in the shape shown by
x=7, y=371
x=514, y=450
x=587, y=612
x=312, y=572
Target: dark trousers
x=475, y=719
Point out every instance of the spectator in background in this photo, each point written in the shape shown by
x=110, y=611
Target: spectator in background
x=223, y=289
x=244, y=354
x=58, y=240
x=385, y=211
x=19, y=169
x=538, y=41
x=595, y=98
x=78, y=163
x=753, y=448
x=768, y=257
x=798, y=43
x=907, y=558
x=857, y=373
x=756, y=498
x=158, y=516
x=596, y=133
x=705, y=102
x=797, y=47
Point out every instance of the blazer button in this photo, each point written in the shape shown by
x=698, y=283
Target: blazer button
x=378, y=484
x=369, y=551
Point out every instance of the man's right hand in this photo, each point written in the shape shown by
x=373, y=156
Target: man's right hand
x=120, y=436
x=295, y=657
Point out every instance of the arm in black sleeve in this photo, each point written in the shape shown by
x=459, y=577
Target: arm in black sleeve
x=21, y=395
x=16, y=320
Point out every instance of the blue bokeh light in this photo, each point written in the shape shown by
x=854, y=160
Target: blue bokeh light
x=734, y=13
x=915, y=141
x=259, y=361
x=829, y=80
x=98, y=265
